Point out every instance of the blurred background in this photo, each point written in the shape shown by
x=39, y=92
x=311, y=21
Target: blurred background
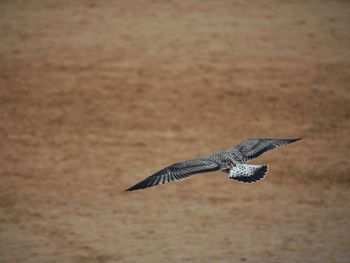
x=97, y=95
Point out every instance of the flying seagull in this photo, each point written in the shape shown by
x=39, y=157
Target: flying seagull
x=232, y=161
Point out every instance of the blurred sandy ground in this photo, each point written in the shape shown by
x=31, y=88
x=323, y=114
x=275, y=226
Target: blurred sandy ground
x=97, y=95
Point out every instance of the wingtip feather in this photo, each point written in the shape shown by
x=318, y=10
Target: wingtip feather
x=135, y=187
x=294, y=140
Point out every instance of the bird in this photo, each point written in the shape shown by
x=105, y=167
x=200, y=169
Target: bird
x=233, y=161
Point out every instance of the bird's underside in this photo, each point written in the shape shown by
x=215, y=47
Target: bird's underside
x=232, y=161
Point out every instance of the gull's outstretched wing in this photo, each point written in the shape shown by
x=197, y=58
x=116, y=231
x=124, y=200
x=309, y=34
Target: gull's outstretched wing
x=177, y=171
x=252, y=148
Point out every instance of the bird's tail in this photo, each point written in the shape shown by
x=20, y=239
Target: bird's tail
x=248, y=173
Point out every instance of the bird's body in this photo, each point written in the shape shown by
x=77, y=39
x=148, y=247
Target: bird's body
x=232, y=161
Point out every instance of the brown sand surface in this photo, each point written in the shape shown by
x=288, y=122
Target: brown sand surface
x=97, y=95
